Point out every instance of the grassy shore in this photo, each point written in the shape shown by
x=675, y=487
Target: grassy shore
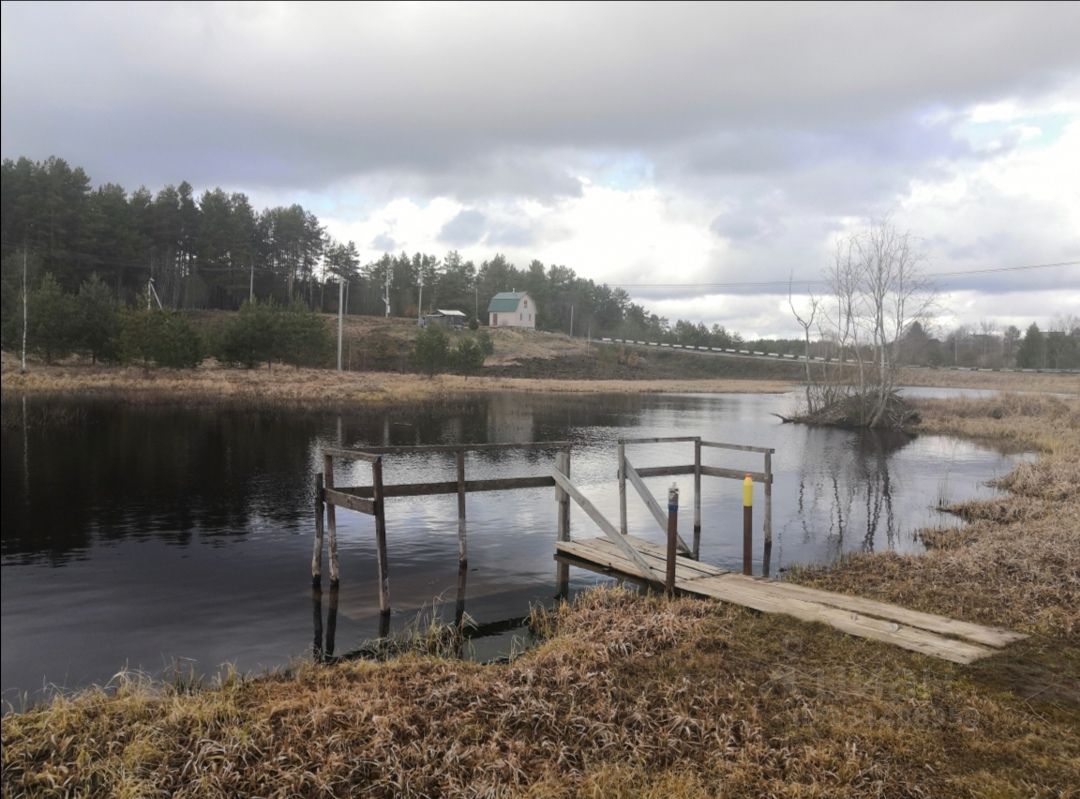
x=633, y=696
x=323, y=386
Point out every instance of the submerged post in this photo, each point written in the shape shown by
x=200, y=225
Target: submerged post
x=748, y=525
x=331, y=518
x=622, y=488
x=672, y=535
x=697, y=498
x=768, y=513
x=380, y=538
x=462, y=556
x=562, y=499
x=316, y=555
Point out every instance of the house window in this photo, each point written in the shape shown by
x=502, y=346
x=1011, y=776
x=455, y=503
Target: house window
x=494, y=319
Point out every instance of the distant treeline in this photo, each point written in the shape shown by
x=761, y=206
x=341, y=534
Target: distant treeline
x=215, y=251
x=988, y=347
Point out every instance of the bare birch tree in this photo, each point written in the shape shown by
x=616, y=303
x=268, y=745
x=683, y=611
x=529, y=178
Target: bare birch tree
x=877, y=289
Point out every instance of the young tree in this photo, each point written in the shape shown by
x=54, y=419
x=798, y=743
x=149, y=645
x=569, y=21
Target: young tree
x=251, y=336
x=52, y=326
x=159, y=338
x=431, y=351
x=1032, y=353
x=467, y=356
x=97, y=319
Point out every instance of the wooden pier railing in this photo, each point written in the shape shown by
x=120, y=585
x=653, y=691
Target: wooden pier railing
x=371, y=499
x=627, y=472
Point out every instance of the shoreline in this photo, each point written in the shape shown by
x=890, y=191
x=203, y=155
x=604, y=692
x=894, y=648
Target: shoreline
x=324, y=387
x=647, y=696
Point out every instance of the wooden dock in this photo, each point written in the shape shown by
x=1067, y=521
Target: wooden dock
x=938, y=636
x=675, y=567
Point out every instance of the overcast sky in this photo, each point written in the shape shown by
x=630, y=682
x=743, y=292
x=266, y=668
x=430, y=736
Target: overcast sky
x=636, y=144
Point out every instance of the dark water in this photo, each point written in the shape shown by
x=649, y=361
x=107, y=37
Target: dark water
x=156, y=538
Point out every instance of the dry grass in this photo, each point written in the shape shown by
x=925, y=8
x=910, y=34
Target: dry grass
x=634, y=696
x=322, y=386
x=1001, y=381
x=631, y=696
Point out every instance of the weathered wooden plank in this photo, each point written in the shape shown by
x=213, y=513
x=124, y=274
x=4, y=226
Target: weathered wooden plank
x=351, y=501
x=637, y=562
x=742, y=447
x=728, y=587
x=451, y=486
x=380, y=537
x=428, y=449
x=622, y=487
x=977, y=633
x=697, y=500
x=736, y=474
x=745, y=591
x=316, y=555
x=662, y=440
x=664, y=471
x=656, y=556
x=331, y=517
x=651, y=503
x=459, y=458
x=355, y=454
x=773, y=596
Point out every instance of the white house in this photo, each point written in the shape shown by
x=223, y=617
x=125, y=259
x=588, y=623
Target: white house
x=512, y=309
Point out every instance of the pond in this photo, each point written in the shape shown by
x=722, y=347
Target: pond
x=167, y=537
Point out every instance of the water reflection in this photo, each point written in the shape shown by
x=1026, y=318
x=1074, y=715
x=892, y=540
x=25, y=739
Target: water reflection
x=204, y=516
x=835, y=474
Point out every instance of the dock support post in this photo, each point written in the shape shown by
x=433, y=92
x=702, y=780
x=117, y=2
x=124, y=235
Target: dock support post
x=562, y=499
x=748, y=525
x=331, y=519
x=463, y=556
x=672, y=536
x=622, y=488
x=380, y=538
x=316, y=555
x=768, y=514
x=697, y=498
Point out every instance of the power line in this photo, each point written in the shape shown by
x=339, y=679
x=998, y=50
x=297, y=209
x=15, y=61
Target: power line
x=818, y=281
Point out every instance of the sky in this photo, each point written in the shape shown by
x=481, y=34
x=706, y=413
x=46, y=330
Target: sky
x=641, y=145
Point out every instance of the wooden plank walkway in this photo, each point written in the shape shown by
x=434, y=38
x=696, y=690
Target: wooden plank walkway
x=937, y=636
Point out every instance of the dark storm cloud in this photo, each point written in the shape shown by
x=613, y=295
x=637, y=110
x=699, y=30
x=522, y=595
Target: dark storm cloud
x=384, y=242
x=467, y=227
x=484, y=99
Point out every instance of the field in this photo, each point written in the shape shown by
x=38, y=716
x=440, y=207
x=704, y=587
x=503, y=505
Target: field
x=632, y=695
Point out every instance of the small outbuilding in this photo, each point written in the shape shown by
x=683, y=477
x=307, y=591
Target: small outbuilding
x=446, y=318
x=512, y=309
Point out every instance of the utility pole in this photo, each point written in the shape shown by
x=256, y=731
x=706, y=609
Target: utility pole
x=251, y=284
x=340, y=317
x=571, y=321
x=24, y=309
x=476, y=299
x=420, y=302
x=386, y=290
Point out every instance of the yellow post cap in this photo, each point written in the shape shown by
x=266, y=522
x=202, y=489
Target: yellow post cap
x=747, y=491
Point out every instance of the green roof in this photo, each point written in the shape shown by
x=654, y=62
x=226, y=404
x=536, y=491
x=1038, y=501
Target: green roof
x=505, y=301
